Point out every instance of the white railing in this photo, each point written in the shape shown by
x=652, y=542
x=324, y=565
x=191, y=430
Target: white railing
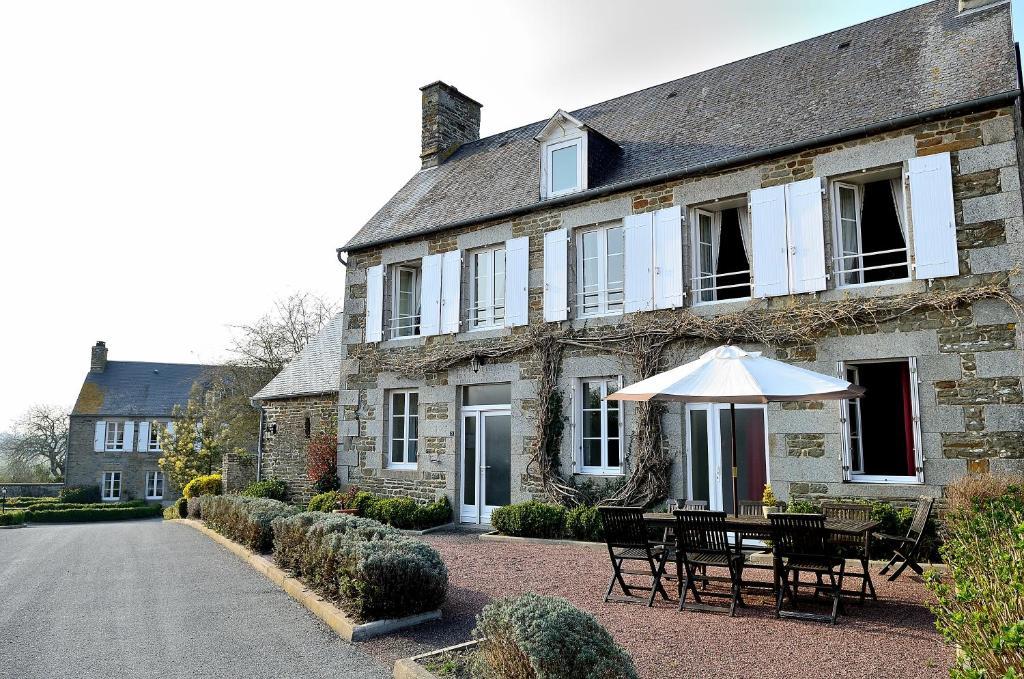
x=842, y=272
x=700, y=290
x=403, y=326
x=602, y=303
x=485, y=316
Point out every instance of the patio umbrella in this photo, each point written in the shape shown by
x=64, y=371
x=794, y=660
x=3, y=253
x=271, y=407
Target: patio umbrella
x=731, y=375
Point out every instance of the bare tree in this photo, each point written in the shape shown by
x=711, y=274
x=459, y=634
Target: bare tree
x=276, y=338
x=39, y=437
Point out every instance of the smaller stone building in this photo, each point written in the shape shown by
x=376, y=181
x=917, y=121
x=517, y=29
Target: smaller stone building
x=113, y=439
x=295, y=406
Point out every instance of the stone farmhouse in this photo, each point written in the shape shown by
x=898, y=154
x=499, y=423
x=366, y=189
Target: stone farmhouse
x=113, y=437
x=850, y=203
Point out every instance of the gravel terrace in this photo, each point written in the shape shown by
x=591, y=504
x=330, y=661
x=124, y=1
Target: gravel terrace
x=893, y=637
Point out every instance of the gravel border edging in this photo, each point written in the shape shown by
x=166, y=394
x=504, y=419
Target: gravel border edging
x=495, y=536
x=344, y=626
x=427, y=531
x=410, y=668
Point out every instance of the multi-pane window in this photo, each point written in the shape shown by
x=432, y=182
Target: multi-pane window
x=564, y=167
x=870, y=229
x=155, y=427
x=600, y=437
x=487, y=273
x=405, y=302
x=404, y=428
x=111, y=486
x=721, y=258
x=114, y=436
x=600, y=269
x=154, y=485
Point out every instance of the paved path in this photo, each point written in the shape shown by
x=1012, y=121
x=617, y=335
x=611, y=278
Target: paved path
x=153, y=599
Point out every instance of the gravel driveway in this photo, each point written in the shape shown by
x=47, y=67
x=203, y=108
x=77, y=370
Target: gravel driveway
x=153, y=599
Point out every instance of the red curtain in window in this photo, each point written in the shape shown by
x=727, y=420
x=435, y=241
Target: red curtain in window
x=756, y=477
x=908, y=420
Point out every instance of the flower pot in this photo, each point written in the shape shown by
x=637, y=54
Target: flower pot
x=768, y=509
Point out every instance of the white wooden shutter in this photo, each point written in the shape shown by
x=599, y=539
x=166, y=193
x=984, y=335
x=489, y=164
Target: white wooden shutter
x=806, y=236
x=517, y=281
x=170, y=428
x=129, y=436
x=556, y=287
x=99, y=437
x=143, y=437
x=668, y=258
x=375, y=303
x=451, y=287
x=844, y=410
x=934, y=226
x=915, y=411
x=430, y=295
x=768, y=233
x=638, y=286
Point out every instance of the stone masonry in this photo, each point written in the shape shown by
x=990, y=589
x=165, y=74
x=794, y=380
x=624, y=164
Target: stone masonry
x=285, y=439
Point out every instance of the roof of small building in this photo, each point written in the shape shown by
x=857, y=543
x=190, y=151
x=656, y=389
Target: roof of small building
x=922, y=59
x=314, y=371
x=139, y=388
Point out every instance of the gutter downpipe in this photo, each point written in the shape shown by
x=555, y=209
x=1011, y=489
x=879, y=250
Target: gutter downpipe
x=259, y=447
x=874, y=128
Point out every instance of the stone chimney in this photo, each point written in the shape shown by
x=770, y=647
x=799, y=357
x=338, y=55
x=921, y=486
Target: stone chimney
x=99, y=357
x=450, y=119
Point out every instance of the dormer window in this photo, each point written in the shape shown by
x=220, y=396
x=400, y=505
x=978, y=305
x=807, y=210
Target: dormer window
x=565, y=166
x=569, y=156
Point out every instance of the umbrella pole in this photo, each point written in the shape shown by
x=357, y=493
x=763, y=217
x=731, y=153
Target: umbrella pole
x=735, y=466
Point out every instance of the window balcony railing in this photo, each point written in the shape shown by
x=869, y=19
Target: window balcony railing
x=485, y=317
x=403, y=326
x=710, y=293
x=600, y=302
x=843, y=272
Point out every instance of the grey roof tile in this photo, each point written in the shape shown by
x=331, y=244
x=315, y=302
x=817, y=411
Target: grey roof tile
x=921, y=59
x=314, y=371
x=139, y=389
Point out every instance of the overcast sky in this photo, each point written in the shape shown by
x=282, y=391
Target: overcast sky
x=167, y=169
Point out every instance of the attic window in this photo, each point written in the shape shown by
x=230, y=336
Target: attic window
x=564, y=167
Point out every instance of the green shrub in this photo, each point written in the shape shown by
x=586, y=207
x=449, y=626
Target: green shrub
x=531, y=519
x=389, y=578
x=980, y=599
x=394, y=511
x=274, y=489
x=194, y=506
x=94, y=514
x=245, y=520
x=202, y=485
x=171, y=512
x=547, y=637
x=803, y=507
x=318, y=564
x=83, y=494
x=584, y=523
x=400, y=512
x=362, y=502
x=81, y=505
x=437, y=513
x=25, y=501
x=324, y=502
x=181, y=508
x=12, y=518
x=289, y=542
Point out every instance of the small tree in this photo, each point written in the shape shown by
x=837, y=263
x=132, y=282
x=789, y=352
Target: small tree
x=39, y=438
x=322, y=462
x=192, y=449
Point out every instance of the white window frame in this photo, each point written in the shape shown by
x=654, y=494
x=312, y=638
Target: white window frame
x=111, y=480
x=851, y=476
x=406, y=417
x=549, y=177
x=579, y=398
x=155, y=427
x=699, y=288
x=603, y=291
x=113, y=438
x=154, y=482
x=487, y=316
x=395, y=329
x=839, y=267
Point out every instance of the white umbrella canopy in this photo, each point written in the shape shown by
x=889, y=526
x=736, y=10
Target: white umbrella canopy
x=729, y=374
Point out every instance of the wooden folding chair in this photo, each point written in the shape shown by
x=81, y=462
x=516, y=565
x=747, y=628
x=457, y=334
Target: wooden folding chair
x=751, y=540
x=857, y=544
x=625, y=533
x=801, y=546
x=906, y=547
x=702, y=542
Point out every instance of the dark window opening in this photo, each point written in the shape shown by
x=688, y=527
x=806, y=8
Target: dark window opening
x=870, y=224
x=881, y=231
x=307, y=426
x=881, y=424
x=731, y=258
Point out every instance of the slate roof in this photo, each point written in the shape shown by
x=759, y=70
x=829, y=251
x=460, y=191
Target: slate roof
x=137, y=388
x=314, y=371
x=914, y=61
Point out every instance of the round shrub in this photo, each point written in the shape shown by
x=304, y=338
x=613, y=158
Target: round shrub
x=274, y=489
x=202, y=485
x=181, y=507
x=80, y=494
x=290, y=538
x=530, y=519
x=584, y=523
x=362, y=502
x=437, y=513
x=394, y=511
x=547, y=638
x=194, y=506
x=389, y=578
x=324, y=502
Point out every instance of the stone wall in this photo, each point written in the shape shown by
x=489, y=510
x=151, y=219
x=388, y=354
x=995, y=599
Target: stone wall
x=31, y=489
x=969, y=359
x=285, y=439
x=86, y=467
x=237, y=471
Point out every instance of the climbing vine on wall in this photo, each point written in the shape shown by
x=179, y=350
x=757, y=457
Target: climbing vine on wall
x=642, y=340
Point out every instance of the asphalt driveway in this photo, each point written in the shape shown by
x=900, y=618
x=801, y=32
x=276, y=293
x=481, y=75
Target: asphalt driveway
x=153, y=599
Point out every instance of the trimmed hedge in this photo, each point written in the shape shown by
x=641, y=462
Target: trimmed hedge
x=584, y=523
x=403, y=512
x=529, y=519
x=370, y=569
x=84, y=494
x=541, y=636
x=275, y=489
x=21, y=501
x=202, y=485
x=48, y=506
x=90, y=514
x=12, y=518
x=324, y=502
x=244, y=519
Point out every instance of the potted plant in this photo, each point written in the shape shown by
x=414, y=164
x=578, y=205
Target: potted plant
x=768, y=499
x=346, y=502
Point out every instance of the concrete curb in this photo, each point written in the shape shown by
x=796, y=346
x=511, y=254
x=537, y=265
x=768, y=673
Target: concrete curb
x=495, y=536
x=410, y=668
x=345, y=627
x=427, y=531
